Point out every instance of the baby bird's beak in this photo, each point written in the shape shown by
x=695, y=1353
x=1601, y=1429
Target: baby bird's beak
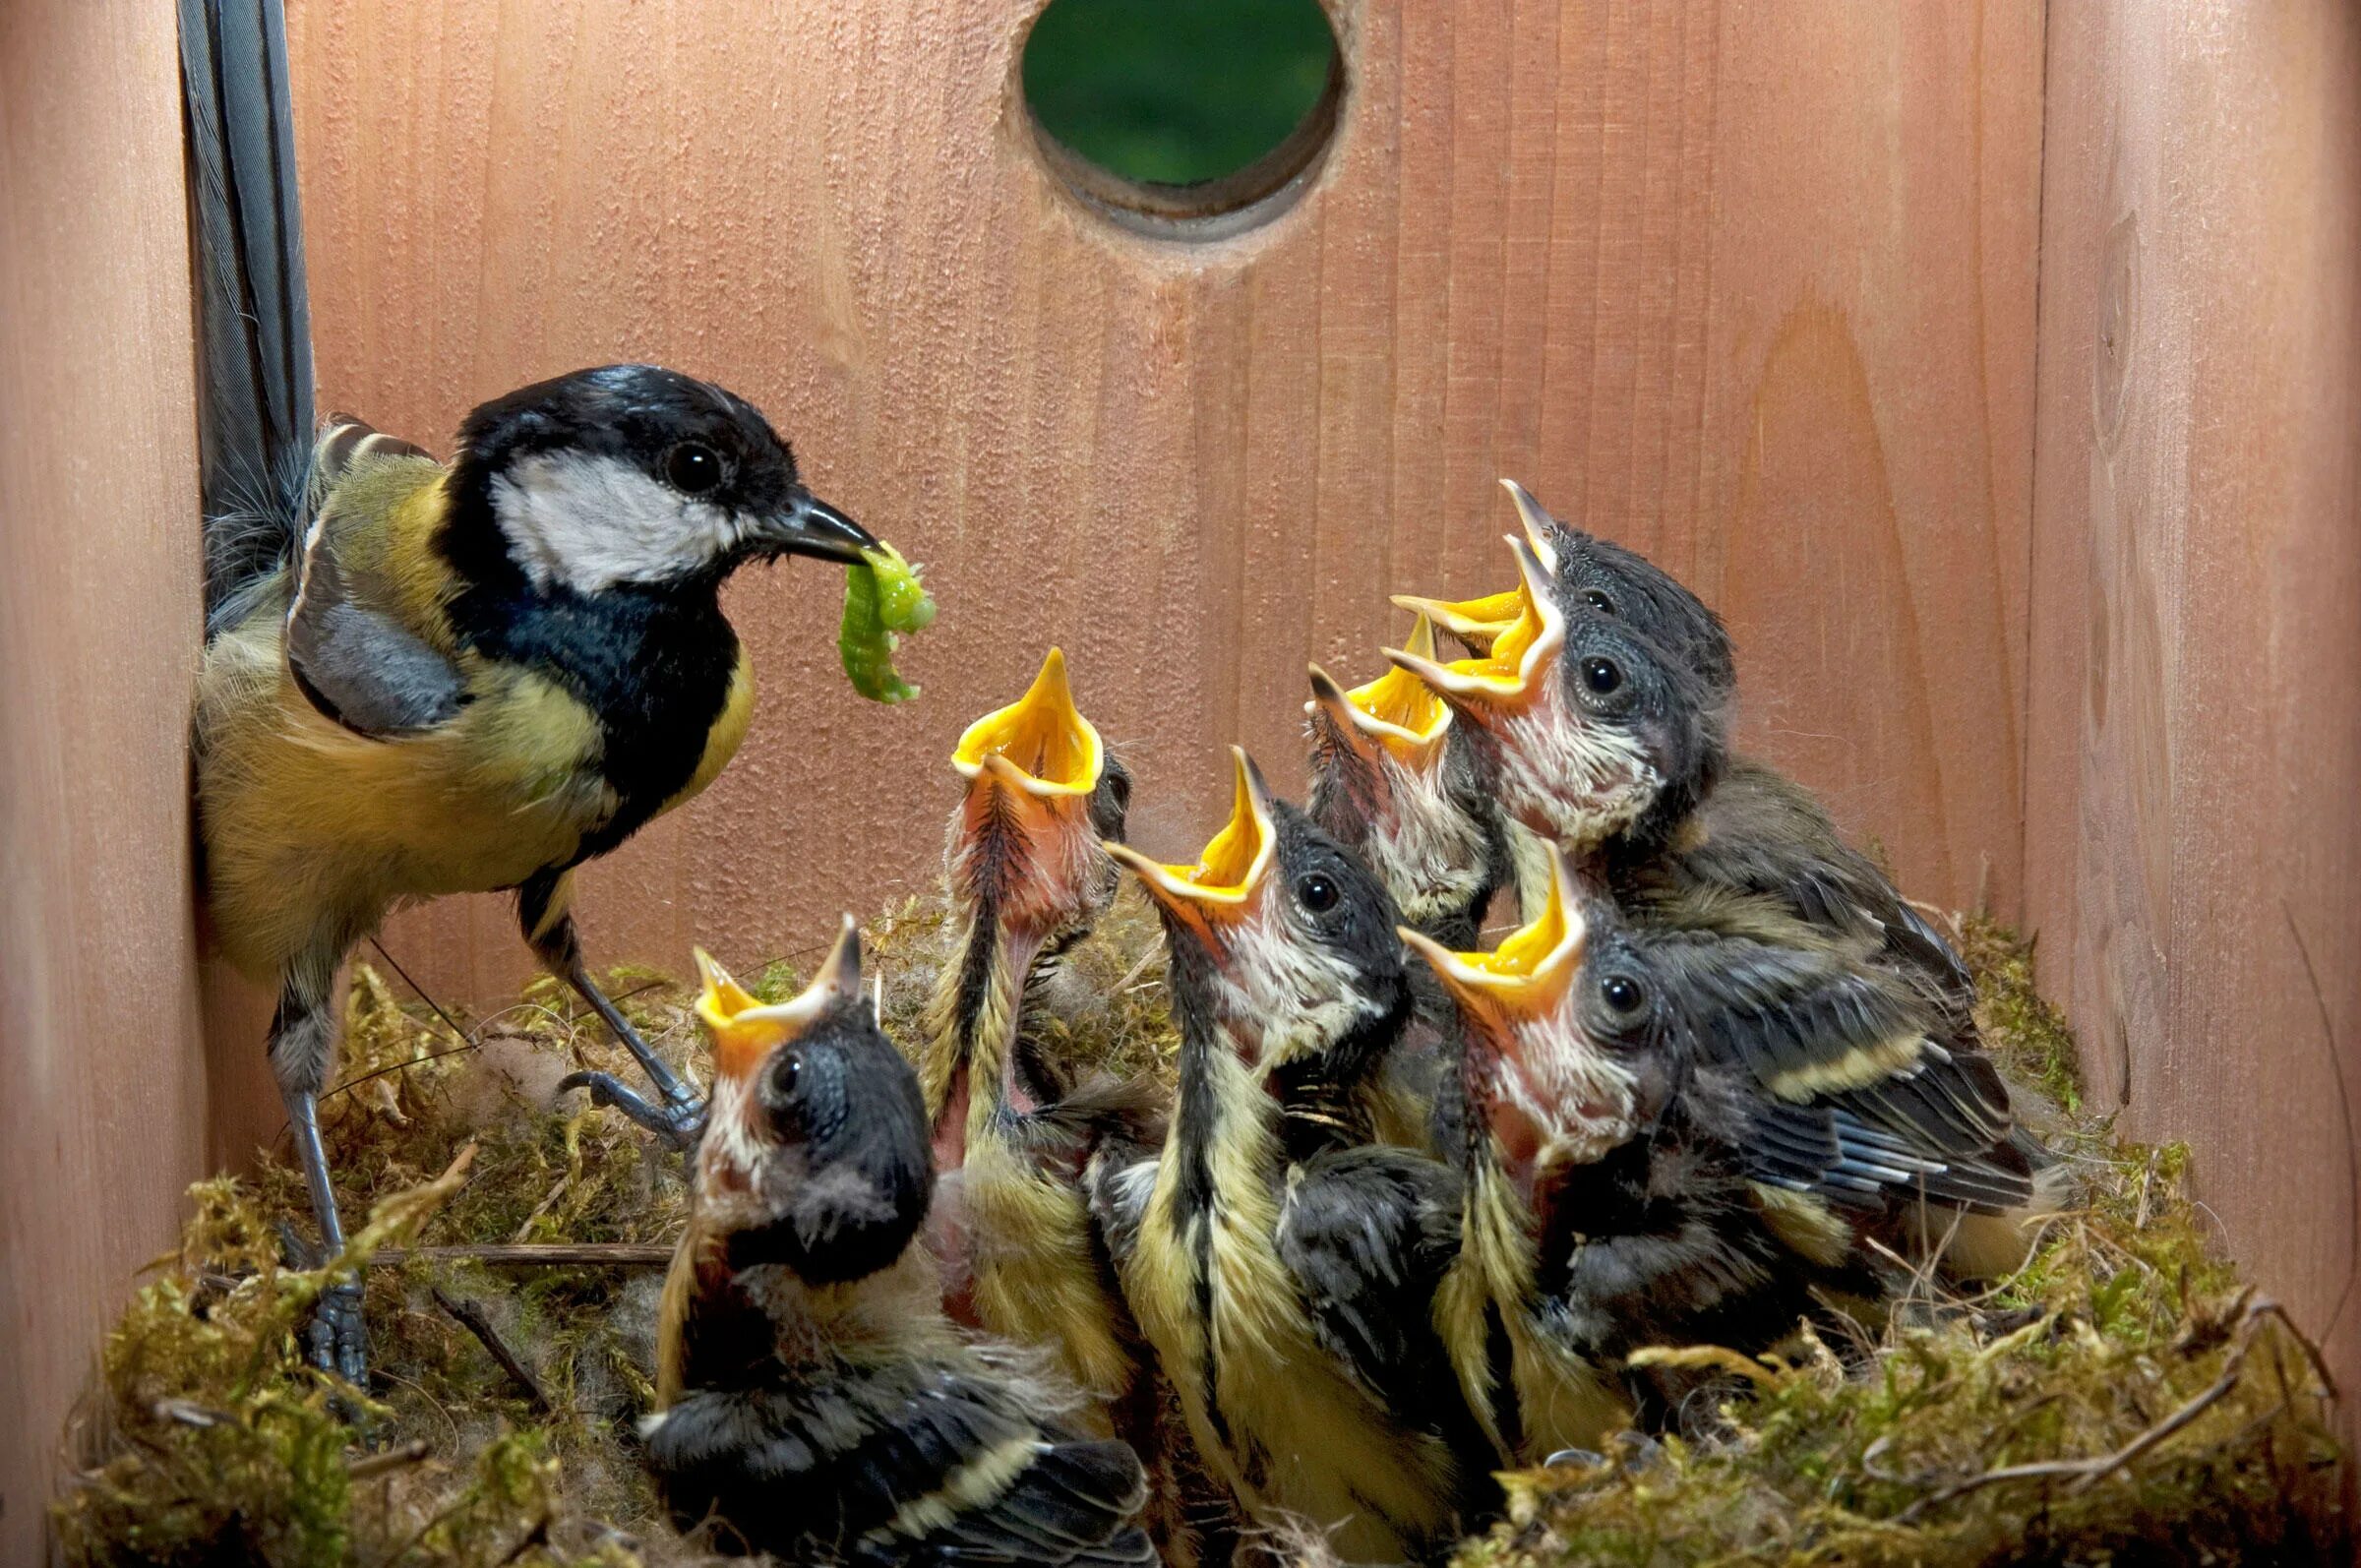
x=1024, y=835
x=744, y=1031
x=1541, y=529
x=1527, y=976
x=1395, y=714
x=1480, y=621
x=1221, y=890
x=1476, y=623
x=1545, y=1093
x=1513, y=679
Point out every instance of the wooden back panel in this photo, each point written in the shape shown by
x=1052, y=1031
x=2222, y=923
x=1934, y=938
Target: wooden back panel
x=102, y=1102
x=1773, y=328
x=2193, y=845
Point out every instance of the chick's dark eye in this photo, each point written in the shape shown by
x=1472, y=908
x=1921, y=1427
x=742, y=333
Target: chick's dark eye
x=1317, y=892
x=1623, y=993
x=787, y=1078
x=1598, y=601
x=693, y=467
x=1602, y=676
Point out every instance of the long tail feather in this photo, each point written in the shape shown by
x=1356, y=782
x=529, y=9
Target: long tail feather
x=253, y=316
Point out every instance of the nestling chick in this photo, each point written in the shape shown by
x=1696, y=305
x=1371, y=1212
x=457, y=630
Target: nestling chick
x=1282, y=1266
x=1595, y=575
x=813, y=1399
x=1611, y=1200
x=1609, y=732
x=1681, y=1137
x=1389, y=784
x=1027, y=878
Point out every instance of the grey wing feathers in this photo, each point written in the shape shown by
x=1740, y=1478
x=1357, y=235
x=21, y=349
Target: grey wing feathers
x=355, y=663
x=1801, y=1023
x=1075, y=1504
x=254, y=318
x=907, y=1462
x=1368, y=1233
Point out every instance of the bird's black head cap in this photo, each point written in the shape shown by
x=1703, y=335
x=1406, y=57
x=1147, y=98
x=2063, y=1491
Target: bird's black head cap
x=630, y=475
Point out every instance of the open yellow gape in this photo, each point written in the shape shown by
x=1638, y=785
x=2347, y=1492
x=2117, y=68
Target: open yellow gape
x=1040, y=738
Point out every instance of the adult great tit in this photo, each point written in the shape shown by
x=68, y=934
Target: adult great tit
x=421, y=680
x=1281, y=1265
x=813, y=1399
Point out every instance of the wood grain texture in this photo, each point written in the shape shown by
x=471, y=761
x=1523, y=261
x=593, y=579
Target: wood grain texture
x=1750, y=287
x=102, y=1126
x=2195, y=730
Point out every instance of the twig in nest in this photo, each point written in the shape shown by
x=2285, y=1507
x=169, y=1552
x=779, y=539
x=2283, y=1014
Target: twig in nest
x=541, y=1254
x=2087, y=1472
x=188, y=1412
x=410, y=1453
x=472, y=1317
x=1712, y=1358
x=538, y=1536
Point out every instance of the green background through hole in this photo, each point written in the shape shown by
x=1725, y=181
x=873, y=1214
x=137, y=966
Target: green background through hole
x=1176, y=91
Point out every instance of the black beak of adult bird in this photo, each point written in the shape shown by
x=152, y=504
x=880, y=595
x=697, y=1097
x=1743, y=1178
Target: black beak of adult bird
x=810, y=526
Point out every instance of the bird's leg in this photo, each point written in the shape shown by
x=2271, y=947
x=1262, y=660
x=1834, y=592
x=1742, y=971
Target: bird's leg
x=542, y=909
x=302, y=1043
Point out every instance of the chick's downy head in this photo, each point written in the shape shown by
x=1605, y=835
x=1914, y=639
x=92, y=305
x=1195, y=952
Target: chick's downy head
x=1570, y=1046
x=1280, y=938
x=814, y=1154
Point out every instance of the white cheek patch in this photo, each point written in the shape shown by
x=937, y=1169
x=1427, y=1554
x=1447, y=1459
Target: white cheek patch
x=1575, y=782
x=1429, y=850
x=588, y=521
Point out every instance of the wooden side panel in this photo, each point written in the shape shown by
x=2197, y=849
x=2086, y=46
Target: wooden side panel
x=102, y=1119
x=2193, y=845
x=1750, y=287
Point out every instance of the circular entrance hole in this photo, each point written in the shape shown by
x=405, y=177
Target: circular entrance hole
x=1184, y=118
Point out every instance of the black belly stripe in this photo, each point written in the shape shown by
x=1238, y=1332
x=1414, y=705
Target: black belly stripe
x=653, y=665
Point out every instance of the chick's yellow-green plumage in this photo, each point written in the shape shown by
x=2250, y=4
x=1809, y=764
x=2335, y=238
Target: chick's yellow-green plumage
x=1283, y=1263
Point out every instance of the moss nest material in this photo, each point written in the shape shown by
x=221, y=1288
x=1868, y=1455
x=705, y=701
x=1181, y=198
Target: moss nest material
x=2124, y=1399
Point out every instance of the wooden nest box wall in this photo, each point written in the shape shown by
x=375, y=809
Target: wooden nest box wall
x=1997, y=374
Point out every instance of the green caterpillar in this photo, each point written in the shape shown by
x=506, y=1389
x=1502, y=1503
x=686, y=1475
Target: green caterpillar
x=882, y=596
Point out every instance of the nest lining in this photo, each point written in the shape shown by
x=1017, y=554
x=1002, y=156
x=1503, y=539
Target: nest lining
x=2124, y=1399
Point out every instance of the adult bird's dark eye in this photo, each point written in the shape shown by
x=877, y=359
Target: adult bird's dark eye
x=1602, y=676
x=1600, y=601
x=1622, y=994
x=1316, y=893
x=693, y=467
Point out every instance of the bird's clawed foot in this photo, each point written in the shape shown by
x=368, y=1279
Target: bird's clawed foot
x=337, y=1339
x=676, y=1121
x=337, y=1336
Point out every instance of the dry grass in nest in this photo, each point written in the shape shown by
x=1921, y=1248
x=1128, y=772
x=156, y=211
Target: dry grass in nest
x=2124, y=1399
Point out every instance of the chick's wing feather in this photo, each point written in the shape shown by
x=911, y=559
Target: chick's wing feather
x=1368, y=1233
